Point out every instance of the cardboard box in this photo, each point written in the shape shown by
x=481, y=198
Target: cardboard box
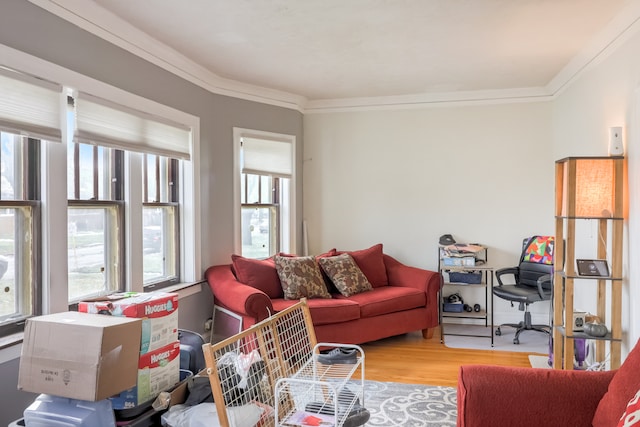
x=158, y=309
x=79, y=355
x=158, y=371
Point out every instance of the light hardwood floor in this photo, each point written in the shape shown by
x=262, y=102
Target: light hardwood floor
x=410, y=358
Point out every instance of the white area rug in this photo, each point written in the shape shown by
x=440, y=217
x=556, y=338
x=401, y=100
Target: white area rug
x=539, y=362
x=530, y=341
x=410, y=405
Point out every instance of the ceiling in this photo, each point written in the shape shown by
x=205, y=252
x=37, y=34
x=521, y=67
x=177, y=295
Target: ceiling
x=315, y=54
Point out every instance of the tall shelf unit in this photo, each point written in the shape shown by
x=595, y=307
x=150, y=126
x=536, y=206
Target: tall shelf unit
x=580, y=181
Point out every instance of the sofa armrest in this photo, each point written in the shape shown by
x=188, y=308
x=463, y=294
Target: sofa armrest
x=400, y=274
x=242, y=299
x=428, y=281
x=490, y=396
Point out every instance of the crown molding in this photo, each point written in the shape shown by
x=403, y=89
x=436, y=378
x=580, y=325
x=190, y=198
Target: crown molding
x=98, y=21
x=460, y=98
x=615, y=33
x=104, y=24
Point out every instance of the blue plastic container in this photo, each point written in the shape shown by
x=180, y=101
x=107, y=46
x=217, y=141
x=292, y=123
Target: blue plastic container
x=55, y=411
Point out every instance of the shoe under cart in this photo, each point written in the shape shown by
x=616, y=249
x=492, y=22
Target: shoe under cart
x=269, y=375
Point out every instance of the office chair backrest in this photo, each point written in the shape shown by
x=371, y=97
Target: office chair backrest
x=536, y=260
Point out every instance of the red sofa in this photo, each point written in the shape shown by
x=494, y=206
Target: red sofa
x=490, y=396
x=403, y=298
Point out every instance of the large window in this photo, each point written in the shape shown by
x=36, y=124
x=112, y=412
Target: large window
x=160, y=146
x=102, y=201
x=265, y=193
x=19, y=228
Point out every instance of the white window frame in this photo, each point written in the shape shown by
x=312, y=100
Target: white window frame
x=288, y=231
x=54, y=188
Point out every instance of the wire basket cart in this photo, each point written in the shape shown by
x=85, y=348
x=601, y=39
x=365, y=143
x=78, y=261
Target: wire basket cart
x=268, y=375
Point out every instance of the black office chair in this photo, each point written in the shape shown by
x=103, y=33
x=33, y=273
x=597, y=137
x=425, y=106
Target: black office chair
x=532, y=282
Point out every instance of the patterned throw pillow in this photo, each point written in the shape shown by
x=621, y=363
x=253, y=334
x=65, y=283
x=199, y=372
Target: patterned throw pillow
x=631, y=416
x=300, y=277
x=371, y=262
x=345, y=274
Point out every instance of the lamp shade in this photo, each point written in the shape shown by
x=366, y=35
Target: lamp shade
x=589, y=187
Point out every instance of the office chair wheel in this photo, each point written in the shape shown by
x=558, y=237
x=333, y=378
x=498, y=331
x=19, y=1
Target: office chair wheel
x=516, y=341
x=498, y=332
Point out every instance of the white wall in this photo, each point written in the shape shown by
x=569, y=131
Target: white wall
x=405, y=177
x=606, y=95
x=482, y=173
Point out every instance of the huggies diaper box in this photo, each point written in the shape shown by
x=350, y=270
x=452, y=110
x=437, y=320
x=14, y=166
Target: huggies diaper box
x=158, y=311
x=158, y=370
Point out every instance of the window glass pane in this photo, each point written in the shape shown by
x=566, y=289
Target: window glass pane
x=16, y=269
x=159, y=244
x=104, y=177
x=94, y=172
x=93, y=248
x=152, y=184
x=11, y=167
x=164, y=179
x=86, y=172
x=243, y=193
x=259, y=231
x=253, y=194
x=266, y=189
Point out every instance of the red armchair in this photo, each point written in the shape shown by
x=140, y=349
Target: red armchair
x=490, y=396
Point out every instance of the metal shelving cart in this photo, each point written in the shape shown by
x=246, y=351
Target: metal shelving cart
x=480, y=275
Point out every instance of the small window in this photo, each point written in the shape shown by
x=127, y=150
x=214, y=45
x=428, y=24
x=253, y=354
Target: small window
x=260, y=216
x=95, y=224
x=161, y=232
x=265, y=193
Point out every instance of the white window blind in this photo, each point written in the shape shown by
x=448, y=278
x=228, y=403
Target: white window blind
x=30, y=106
x=267, y=157
x=104, y=123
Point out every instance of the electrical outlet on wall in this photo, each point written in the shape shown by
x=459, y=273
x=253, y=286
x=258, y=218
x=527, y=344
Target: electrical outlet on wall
x=616, y=147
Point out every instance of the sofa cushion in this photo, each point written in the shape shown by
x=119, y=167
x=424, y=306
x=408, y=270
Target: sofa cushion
x=325, y=311
x=300, y=277
x=257, y=273
x=345, y=274
x=387, y=299
x=371, y=262
x=622, y=388
x=631, y=416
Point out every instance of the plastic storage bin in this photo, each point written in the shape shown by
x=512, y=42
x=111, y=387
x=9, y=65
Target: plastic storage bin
x=55, y=411
x=469, y=277
x=452, y=307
